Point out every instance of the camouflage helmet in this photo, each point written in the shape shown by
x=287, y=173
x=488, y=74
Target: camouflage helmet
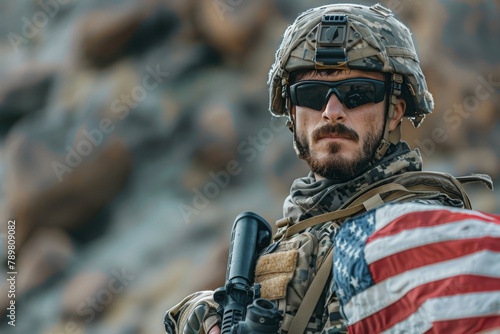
x=348, y=36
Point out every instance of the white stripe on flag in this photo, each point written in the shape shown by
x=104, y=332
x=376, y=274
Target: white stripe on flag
x=390, y=290
x=386, y=214
x=490, y=331
x=468, y=305
x=407, y=239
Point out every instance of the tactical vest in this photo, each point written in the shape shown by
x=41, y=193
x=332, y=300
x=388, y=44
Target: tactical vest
x=295, y=269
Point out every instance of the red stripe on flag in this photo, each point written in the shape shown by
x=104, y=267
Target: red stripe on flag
x=428, y=218
x=429, y=254
x=410, y=303
x=466, y=326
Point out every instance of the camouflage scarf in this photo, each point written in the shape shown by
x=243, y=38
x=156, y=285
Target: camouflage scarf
x=309, y=197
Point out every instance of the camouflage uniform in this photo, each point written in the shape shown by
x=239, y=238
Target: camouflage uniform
x=287, y=269
x=334, y=37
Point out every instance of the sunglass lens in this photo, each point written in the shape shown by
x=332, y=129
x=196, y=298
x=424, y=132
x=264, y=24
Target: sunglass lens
x=312, y=95
x=357, y=94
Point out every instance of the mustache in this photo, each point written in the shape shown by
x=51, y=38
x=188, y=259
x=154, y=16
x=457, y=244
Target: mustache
x=335, y=129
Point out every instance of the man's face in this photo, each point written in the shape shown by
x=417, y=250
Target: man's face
x=338, y=142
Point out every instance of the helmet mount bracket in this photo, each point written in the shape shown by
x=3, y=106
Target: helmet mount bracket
x=331, y=40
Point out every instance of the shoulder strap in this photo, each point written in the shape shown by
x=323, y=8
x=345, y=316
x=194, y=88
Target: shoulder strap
x=365, y=202
x=306, y=308
x=483, y=178
x=404, y=186
x=444, y=183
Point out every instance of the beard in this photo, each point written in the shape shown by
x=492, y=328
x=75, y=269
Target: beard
x=334, y=166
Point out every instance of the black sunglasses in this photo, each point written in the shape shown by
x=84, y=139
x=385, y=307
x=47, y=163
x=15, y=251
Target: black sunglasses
x=352, y=93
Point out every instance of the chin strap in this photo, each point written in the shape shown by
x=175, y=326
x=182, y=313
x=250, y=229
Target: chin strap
x=391, y=137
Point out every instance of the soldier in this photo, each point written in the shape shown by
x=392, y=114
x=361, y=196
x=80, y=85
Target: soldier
x=344, y=76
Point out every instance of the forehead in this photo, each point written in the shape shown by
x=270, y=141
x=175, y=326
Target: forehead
x=340, y=75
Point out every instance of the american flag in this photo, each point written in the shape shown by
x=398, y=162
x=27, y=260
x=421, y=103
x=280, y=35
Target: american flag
x=415, y=268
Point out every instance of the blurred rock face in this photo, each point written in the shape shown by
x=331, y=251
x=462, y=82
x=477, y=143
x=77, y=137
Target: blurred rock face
x=133, y=132
x=24, y=89
x=60, y=190
x=108, y=35
x=231, y=26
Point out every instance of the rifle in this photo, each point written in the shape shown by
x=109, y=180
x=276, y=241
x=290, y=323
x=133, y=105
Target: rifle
x=241, y=308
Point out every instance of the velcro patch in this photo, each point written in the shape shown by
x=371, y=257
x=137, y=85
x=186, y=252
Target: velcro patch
x=274, y=271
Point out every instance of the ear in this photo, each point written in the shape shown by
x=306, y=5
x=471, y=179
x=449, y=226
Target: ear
x=292, y=112
x=399, y=111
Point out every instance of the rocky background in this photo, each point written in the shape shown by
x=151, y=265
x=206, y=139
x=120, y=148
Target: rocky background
x=132, y=132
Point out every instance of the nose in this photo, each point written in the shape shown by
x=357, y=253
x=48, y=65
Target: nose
x=334, y=110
